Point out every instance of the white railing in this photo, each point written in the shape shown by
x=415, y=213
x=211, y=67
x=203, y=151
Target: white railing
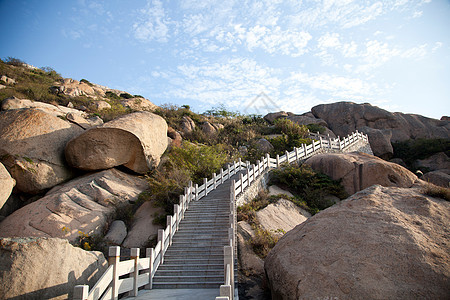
x=110, y=286
x=253, y=172
x=141, y=271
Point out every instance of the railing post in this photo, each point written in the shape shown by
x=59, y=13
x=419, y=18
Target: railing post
x=229, y=260
x=134, y=254
x=278, y=161
x=287, y=157
x=170, y=224
x=248, y=176
x=297, y=155
x=150, y=253
x=80, y=292
x=313, y=146
x=304, y=149
x=225, y=292
x=176, y=209
x=321, y=143
x=214, y=181
x=239, y=161
x=196, y=192
x=205, y=183
x=268, y=160
x=161, y=239
x=221, y=175
x=329, y=141
x=339, y=141
x=241, y=177
x=113, y=259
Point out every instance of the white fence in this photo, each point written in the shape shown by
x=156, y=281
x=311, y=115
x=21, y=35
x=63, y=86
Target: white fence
x=110, y=286
x=253, y=172
x=140, y=271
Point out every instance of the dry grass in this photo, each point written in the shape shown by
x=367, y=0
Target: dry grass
x=437, y=191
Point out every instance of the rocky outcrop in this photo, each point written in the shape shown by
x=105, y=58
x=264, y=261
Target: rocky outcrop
x=346, y=117
x=208, y=128
x=45, y=268
x=187, y=125
x=275, y=191
x=307, y=119
x=83, y=204
x=135, y=141
x=100, y=105
x=32, y=148
x=175, y=137
x=280, y=217
x=440, y=178
x=358, y=171
x=143, y=228
x=380, y=141
x=117, y=233
x=271, y=117
x=7, y=80
x=139, y=104
x=264, y=145
x=7, y=184
x=381, y=243
x=75, y=88
x=435, y=162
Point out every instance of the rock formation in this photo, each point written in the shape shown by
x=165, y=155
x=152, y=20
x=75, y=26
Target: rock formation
x=187, y=125
x=143, y=228
x=136, y=141
x=45, y=268
x=345, y=117
x=117, y=233
x=359, y=170
x=381, y=243
x=32, y=148
x=280, y=217
x=7, y=184
x=271, y=117
x=81, y=205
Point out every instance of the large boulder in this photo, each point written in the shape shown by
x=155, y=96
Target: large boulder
x=264, y=145
x=280, y=217
x=143, y=228
x=32, y=148
x=346, y=117
x=139, y=104
x=435, y=162
x=271, y=117
x=136, y=141
x=380, y=141
x=439, y=177
x=75, y=88
x=358, y=171
x=7, y=184
x=81, y=205
x=117, y=233
x=187, y=125
x=307, y=119
x=208, y=128
x=46, y=268
x=381, y=243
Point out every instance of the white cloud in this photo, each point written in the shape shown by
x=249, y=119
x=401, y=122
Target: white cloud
x=153, y=23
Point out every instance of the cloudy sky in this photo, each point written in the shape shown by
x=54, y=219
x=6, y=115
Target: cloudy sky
x=250, y=56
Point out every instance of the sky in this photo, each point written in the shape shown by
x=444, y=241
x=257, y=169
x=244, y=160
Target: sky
x=247, y=56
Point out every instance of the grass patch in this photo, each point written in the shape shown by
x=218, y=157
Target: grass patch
x=436, y=191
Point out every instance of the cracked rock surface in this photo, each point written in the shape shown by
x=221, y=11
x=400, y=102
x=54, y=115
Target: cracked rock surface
x=82, y=204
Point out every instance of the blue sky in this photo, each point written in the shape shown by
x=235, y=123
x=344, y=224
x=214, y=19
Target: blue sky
x=391, y=53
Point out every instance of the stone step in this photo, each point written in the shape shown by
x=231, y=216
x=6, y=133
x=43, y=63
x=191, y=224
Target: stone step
x=181, y=278
x=173, y=266
x=188, y=285
x=192, y=260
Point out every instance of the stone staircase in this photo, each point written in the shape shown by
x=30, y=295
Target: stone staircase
x=195, y=258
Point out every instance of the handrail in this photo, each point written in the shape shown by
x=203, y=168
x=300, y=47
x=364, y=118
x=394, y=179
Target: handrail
x=142, y=270
x=256, y=170
x=104, y=288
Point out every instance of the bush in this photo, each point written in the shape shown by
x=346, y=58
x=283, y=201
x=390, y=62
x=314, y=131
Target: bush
x=126, y=96
x=316, y=128
x=308, y=186
x=411, y=150
x=14, y=61
x=436, y=191
x=111, y=95
x=86, y=81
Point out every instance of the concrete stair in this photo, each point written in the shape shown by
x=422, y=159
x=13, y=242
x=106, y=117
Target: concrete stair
x=194, y=260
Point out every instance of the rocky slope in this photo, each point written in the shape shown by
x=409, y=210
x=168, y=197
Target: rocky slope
x=381, y=243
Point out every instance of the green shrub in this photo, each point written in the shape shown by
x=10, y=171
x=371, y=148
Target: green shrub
x=308, y=186
x=111, y=95
x=126, y=96
x=411, y=150
x=86, y=81
x=436, y=191
x=316, y=128
x=14, y=61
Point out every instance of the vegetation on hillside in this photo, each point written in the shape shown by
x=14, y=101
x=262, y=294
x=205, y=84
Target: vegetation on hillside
x=412, y=150
x=311, y=192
